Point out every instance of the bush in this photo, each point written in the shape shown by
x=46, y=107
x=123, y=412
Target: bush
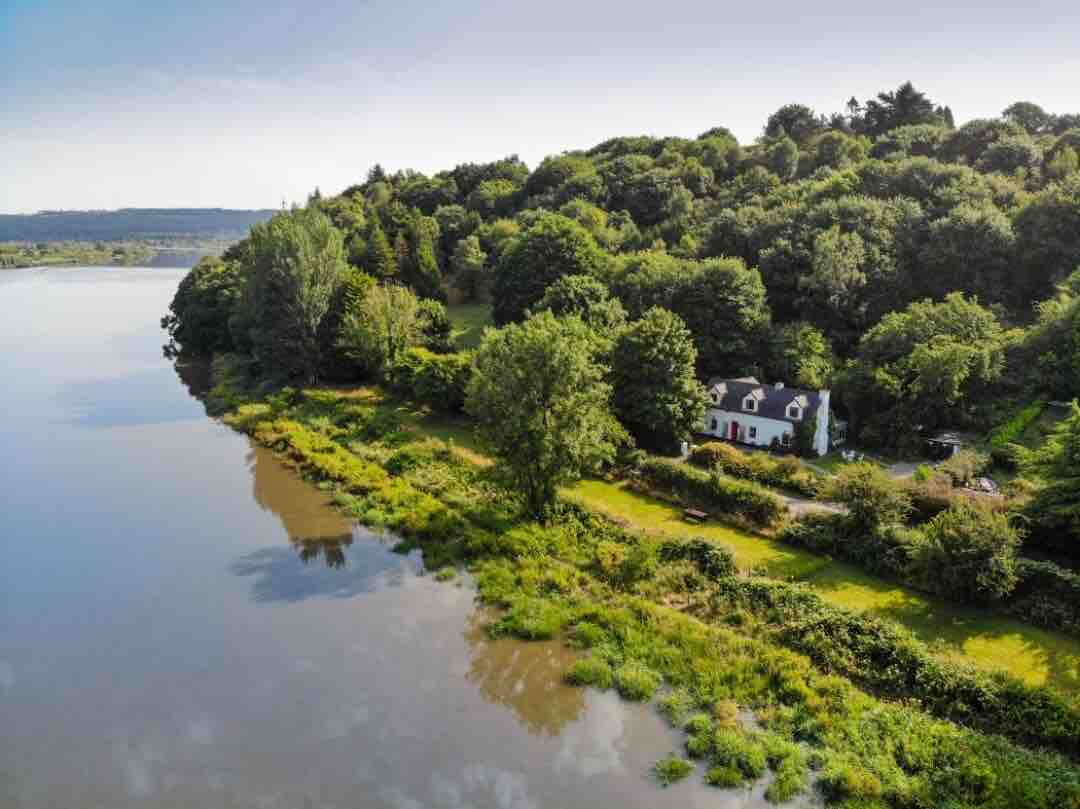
x=964, y=466
x=872, y=497
x=736, y=498
x=785, y=472
x=437, y=380
x=929, y=496
x=1046, y=595
x=712, y=561
x=967, y=554
x=885, y=550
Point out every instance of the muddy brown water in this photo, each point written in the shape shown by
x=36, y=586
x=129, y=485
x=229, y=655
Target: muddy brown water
x=185, y=623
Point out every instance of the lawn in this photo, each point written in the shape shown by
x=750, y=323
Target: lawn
x=989, y=641
x=469, y=321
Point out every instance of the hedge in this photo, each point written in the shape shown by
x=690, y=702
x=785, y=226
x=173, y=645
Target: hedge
x=738, y=498
x=786, y=472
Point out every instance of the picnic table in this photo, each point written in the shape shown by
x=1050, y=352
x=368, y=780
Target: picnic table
x=693, y=515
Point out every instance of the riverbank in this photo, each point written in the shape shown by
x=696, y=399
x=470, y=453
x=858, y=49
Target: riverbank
x=650, y=625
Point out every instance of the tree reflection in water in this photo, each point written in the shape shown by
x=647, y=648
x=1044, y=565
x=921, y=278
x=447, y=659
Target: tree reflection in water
x=526, y=677
x=316, y=533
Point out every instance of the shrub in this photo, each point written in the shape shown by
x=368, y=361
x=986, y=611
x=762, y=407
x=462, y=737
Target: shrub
x=784, y=472
x=964, y=466
x=929, y=496
x=671, y=769
x=636, y=681
x=872, y=497
x=712, y=561
x=885, y=550
x=437, y=380
x=1046, y=595
x=967, y=554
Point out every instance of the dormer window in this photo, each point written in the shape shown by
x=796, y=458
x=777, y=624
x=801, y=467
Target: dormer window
x=715, y=397
x=750, y=404
x=794, y=412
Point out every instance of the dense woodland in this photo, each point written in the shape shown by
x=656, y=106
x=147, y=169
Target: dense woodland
x=129, y=224
x=927, y=273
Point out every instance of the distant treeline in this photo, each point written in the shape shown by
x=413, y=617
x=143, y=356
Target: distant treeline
x=130, y=223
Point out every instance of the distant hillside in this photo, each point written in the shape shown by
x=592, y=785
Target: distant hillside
x=130, y=223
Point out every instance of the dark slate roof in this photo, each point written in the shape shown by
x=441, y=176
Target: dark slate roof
x=772, y=402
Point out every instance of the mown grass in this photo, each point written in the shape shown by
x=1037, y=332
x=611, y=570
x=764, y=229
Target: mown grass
x=992, y=642
x=468, y=321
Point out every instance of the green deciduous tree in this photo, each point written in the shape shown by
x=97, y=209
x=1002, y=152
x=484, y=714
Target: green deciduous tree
x=587, y=298
x=553, y=247
x=198, y=319
x=541, y=404
x=796, y=121
x=874, y=500
x=376, y=333
x=656, y=391
x=800, y=355
x=967, y=553
x=1033, y=118
x=923, y=367
x=297, y=266
x=469, y=267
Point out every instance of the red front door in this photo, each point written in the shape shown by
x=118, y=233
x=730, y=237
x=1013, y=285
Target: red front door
x=734, y=431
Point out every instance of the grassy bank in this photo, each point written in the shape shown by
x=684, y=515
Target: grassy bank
x=603, y=589
x=992, y=642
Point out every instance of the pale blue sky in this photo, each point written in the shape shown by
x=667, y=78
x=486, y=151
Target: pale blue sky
x=246, y=104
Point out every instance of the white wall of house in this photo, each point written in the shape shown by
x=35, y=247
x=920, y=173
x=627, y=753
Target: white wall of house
x=821, y=434
x=764, y=430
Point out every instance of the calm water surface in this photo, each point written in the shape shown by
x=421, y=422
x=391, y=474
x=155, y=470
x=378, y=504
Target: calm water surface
x=184, y=623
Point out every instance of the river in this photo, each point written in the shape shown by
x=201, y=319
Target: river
x=185, y=623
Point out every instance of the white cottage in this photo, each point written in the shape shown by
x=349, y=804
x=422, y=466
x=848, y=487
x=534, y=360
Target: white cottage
x=748, y=412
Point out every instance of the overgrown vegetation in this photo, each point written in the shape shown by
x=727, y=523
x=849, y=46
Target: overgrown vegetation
x=604, y=590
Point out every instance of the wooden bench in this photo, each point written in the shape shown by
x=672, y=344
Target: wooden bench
x=693, y=515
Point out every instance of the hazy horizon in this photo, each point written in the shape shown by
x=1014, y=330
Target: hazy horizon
x=249, y=107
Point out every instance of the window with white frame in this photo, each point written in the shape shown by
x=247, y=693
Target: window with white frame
x=750, y=403
x=794, y=411
x=753, y=432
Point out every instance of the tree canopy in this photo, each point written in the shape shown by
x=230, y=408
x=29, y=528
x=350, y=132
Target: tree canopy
x=541, y=404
